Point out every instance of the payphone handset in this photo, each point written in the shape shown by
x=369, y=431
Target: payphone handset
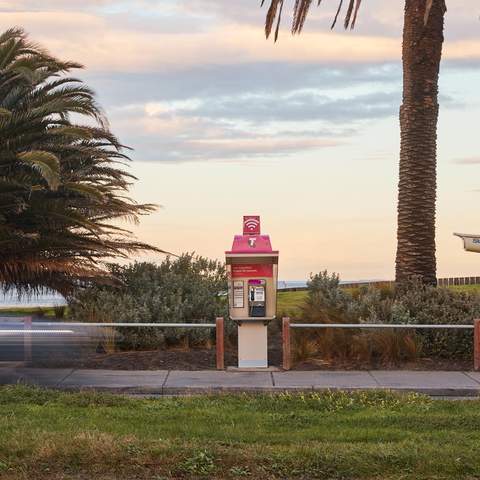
x=256, y=298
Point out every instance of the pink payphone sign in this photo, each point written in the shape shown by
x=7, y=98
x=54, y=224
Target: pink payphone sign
x=251, y=225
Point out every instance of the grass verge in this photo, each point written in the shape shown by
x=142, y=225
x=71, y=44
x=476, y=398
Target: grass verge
x=43, y=311
x=50, y=434
x=290, y=303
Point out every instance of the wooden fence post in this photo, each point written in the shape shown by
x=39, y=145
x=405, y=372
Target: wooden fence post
x=27, y=340
x=286, y=342
x=220, y=343
x=476, y=344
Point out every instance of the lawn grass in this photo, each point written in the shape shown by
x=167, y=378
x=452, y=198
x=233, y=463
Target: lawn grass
x=46, y=311
x=465, y=288
x=289, y=303
x=49, y=434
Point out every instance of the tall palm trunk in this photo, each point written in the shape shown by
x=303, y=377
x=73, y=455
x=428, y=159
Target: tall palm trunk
x=422, y=51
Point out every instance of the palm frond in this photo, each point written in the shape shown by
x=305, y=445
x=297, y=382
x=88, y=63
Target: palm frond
x=63, y=185
x=94, y=192
x=300, y=12
x=46, y=163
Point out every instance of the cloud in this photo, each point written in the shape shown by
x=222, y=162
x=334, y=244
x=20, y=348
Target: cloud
x=169, y=137
x=189, y=80
x=172, y=35
x=271, y=78
x=225, y=44
x=294, y=106
x=242, y=112
x=243, y=147
x=376, y=17
x=46, y=5
x=245, y=126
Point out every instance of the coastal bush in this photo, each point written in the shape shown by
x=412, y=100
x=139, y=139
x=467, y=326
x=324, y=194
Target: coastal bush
x=187, y=289
x=327, y=302
x=429, y=305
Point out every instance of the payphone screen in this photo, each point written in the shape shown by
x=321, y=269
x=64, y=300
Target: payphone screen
x=256, y=298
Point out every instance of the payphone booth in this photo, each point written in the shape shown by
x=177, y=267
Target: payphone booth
x=252, y=269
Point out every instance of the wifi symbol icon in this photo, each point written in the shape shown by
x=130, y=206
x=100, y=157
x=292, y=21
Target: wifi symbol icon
x=251, y=225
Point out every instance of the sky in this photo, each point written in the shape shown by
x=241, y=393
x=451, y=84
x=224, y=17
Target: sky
x=303, y=132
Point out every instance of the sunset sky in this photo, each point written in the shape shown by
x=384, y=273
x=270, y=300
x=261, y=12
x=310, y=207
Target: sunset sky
x=303, y=132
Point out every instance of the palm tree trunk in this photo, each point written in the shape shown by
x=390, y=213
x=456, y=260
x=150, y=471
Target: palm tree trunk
x=422, y=51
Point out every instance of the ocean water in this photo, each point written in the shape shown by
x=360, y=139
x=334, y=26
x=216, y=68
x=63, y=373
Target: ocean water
x=303, y=283
x=11, y=299
x=291, y=284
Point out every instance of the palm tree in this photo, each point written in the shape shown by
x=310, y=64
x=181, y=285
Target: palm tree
x=421, y=56
x=63, y=186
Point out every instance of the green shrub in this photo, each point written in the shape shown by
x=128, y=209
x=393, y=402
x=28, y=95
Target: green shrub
x=415, y=304
x=429, y=305
x=187, y=289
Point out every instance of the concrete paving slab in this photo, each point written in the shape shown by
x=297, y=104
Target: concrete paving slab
x=146, y=381
x=475, y=376
x=432, y=382
x=212, y=380
x=442, y=383
x=44, y=377
x=324, y=379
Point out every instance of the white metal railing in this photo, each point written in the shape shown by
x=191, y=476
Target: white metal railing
x=34, y=332
x=34, y=329
x=121, y=324
x=379, y=325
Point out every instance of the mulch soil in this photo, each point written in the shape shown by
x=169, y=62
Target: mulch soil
x=204, y=359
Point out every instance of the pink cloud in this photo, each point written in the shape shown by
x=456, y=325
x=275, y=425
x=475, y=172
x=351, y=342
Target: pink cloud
x=102, y=44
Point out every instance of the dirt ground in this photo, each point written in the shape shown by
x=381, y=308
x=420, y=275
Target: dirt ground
x=204, y=359
x=175, y=359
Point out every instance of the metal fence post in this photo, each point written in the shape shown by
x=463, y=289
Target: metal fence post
x=27, y=340
x=286, y=342
x=220, y=343
x=476, y=344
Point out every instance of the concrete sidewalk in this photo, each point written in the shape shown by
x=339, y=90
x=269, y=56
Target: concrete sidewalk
x=171, y=382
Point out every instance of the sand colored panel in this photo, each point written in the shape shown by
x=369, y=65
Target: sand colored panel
x=252, y=345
